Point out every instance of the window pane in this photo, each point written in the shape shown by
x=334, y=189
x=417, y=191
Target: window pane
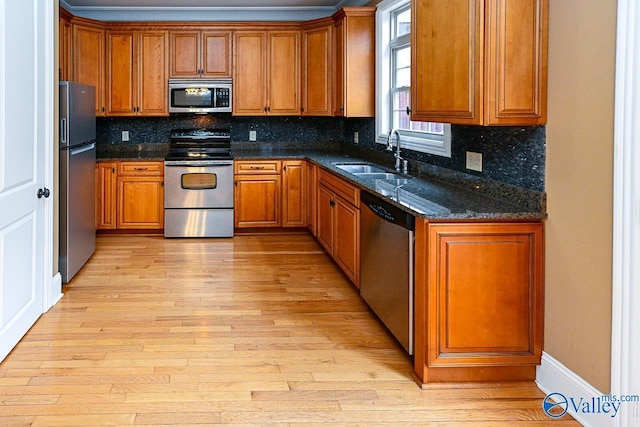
x=403, y=57
x=403, y=22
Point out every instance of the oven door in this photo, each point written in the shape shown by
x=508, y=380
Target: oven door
x=198, y=185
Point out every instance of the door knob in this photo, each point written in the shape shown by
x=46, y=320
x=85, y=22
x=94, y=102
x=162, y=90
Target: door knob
x=43, y=192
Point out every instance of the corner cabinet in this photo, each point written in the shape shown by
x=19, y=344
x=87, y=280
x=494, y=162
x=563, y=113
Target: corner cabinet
x=338, y=222
x=479, y=61
x=478, y=301
x=354, y=62
x=137, y=83
x=266, y=73
x=130, y=195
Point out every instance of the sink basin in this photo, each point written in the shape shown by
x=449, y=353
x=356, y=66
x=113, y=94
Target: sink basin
x=357, y=168
x=380, y=175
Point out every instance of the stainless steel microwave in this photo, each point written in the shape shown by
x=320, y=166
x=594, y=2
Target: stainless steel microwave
x=200, y=96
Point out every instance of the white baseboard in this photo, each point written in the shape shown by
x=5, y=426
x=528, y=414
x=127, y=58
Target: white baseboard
x=553, y=377
x=56, y=290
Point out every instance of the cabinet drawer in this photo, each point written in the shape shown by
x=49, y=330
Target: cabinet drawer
x=141, y=168
x=257, y=167
x=348, y=191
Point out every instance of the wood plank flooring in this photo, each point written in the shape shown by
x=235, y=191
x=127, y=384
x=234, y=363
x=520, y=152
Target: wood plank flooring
x=249, y=331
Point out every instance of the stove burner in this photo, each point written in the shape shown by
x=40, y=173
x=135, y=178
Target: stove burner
x=200, y=144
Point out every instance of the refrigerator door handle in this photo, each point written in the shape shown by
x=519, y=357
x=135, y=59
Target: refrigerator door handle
x=82, y=149
x=63, y=130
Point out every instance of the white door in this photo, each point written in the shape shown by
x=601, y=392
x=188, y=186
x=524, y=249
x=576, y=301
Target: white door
x=22, y=167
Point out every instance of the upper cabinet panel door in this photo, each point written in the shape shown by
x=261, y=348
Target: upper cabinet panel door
x=316, y=71
x=249, y=71
x=88, y=55
x=446, y=66
x=121, y=84
x=284, y=73
x=185, y=51
x=517, y=62
x=216, y=54
x=153, y=59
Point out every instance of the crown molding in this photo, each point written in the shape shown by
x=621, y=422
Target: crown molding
x=212, y=13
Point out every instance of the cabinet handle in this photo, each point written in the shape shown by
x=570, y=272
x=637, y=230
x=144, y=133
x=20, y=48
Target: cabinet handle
x=113, y=170
x=302, y=109
x=342, y=108
x=284, y=168
x=332, y=203
x=268, y=109
x=139, y=169
x=257, y=167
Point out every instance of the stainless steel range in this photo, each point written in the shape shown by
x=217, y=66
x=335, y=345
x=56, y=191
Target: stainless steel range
x=198, y=179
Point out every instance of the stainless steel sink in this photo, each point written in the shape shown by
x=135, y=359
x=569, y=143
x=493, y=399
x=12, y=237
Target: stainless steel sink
x=357, y=168
x=380, y=175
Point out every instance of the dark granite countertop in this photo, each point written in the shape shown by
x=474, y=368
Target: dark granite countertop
x=426, y=196
x=432, y=193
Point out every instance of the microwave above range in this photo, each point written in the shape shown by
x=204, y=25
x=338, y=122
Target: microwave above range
x=200, y=96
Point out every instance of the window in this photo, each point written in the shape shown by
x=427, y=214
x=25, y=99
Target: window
x=393, y=81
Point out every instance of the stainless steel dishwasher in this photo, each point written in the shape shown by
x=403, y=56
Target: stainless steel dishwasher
x=386, y=265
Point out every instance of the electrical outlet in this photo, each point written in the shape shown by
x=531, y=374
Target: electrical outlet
x=125, y=135
x=474, y=161
x=355, y=137
x=252, y=135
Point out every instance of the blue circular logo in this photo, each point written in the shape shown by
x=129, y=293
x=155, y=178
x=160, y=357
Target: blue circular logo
x=555, y=405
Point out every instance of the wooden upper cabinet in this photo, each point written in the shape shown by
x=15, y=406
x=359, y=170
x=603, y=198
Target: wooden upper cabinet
x=137, y=83
x=65, y=36
x=354, y=62
x=205, y=54
x=88, y=60
x=316, y=71
x=266, y=76
x=479, y=61
x=121, y=73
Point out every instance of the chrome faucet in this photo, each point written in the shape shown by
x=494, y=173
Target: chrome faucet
x=399, y=160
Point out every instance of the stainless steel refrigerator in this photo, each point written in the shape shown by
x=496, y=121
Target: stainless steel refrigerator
x=77, y=177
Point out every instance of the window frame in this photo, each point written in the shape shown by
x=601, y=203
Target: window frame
x=413, y=140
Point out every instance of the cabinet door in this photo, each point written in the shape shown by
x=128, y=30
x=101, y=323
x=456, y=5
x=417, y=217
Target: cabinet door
x=338, y=69
x=346, y=243
x=249, y=71
x=88, y=55
x=325, y=218
x=216, y=55
x=64, y=49
x=479, y=299
x=516, y=55
x=294, y=194
x=257, y=201
x=284, y=73
x=140, y=202
x=446, y=67
x=184, y=54
x=106, y=195
x=312, y=199
x=153, y=85
x=316, y=72
x=121, y=75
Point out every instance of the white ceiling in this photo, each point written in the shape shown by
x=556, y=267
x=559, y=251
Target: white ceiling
x=206, y=10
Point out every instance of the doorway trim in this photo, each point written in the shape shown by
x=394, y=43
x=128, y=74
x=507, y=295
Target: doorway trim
x=625, y=345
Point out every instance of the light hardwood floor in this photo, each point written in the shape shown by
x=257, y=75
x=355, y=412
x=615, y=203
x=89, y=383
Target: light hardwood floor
x=245, y=331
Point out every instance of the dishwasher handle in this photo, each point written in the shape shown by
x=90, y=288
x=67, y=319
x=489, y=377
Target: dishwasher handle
x=387, y=211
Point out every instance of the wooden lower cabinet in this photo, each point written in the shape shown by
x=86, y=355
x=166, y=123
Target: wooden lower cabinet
x=270, y=193
x=312, y=199
x=478, y=301
x=338, y=223
x=106, y=184
x=130, y=195
x=257, y=201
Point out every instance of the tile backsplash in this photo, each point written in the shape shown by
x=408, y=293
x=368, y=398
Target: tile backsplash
x=512, y=155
